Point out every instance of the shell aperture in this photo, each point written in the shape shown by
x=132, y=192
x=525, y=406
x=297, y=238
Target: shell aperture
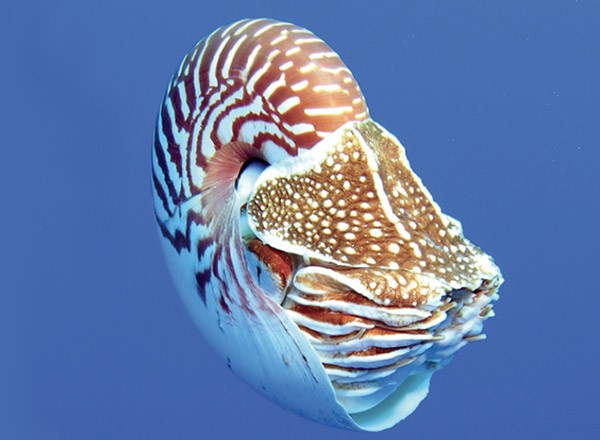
x=308, y=252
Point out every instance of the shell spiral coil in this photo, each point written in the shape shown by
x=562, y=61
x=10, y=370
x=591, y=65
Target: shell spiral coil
x=307, y=251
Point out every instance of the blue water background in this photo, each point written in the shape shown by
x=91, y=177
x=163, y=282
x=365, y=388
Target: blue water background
x=498, y=105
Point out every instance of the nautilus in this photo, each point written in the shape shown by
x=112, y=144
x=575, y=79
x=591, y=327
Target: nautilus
x=311, y=257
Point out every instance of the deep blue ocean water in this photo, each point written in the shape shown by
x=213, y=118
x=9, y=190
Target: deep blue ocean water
x=498, y=106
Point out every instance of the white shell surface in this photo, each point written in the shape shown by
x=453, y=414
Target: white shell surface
x=277, y=360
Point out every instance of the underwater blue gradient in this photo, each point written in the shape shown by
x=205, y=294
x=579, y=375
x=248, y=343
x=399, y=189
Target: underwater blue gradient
x=498, y=106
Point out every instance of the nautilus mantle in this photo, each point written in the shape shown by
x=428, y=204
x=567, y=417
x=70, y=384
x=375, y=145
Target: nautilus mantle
x=307, y=251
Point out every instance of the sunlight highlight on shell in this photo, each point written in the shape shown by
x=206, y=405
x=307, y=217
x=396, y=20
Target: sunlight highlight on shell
x=308, y=252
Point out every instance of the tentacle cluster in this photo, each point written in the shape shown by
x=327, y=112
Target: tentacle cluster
x=388, y=287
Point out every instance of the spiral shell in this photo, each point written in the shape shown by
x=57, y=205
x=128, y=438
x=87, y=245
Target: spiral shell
x=307, y=251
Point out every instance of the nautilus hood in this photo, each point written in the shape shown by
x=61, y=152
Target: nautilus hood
x=307, y=251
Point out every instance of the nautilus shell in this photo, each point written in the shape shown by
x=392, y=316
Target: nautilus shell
x=307, y=251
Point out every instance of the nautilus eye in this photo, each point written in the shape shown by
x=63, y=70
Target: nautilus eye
x=307, y=251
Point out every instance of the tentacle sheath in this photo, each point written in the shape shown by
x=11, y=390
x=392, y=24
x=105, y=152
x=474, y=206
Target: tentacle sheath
x=307, y=251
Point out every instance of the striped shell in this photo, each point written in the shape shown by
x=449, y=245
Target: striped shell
x=309, y=254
